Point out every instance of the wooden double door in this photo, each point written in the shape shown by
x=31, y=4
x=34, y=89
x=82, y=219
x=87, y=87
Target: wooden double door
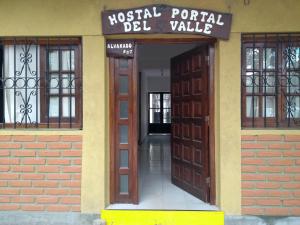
x=190, y=167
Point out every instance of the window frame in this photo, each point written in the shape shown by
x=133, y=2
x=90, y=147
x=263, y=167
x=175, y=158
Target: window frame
x=44, y=43
x=45, y=83
x=263, y=42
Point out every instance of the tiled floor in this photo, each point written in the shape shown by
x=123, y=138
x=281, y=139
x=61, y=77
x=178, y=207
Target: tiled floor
x=155, y=188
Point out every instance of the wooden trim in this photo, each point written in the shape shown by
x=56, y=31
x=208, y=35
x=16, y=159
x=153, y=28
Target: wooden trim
x=42, y=125
x=134, y=136
x=175, y=40
x=270, y=38
x=112, y=130
x=2, y=99
x=211, y=134
x=77, y=72
x=41, y=40
x=79, y=85
x=139, y=108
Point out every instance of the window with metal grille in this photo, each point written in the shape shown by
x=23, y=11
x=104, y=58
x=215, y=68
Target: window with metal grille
x=40, y=83
x=270, y=80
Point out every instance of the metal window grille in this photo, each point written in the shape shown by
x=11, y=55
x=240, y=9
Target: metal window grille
x=40, y=83
x=270, y=80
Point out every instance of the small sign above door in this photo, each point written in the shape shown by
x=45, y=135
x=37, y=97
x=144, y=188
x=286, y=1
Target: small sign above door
x=166, y=19
x=120, y=48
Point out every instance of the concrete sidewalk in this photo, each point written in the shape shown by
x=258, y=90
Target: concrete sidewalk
x=34, y=218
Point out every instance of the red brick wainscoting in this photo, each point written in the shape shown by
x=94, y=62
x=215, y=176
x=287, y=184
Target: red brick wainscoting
x=271, y=175
x=40, y=173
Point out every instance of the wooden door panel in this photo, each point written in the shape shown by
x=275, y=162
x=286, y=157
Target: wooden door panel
x=187, y=154
x=197, y=109
x=176, y=110
x=123, y=131
x=196, y=62
x=197, y=157
x=186, y=109
x=176, y=130
x=176, y=170
x=186, y=131
x=187, y=174
x=186, y=89
x=176, y=89
x=197, y=86
x=197, y=134
x=189, y=85
x=177, y=151
x=197, y=180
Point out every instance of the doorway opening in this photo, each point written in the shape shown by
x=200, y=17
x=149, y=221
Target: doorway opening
x=173, y=158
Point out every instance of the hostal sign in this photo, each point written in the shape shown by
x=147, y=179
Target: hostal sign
x=166, y=19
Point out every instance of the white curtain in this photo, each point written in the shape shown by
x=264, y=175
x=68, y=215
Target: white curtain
x=22, y=95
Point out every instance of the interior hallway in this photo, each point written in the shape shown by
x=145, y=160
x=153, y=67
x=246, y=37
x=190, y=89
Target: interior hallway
x=155, y=188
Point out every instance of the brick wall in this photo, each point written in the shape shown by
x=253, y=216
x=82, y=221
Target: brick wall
x=271, y=175
x=40, y=173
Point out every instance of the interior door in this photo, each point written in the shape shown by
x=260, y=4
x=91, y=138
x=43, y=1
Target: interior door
x=123, y=131
x=190, y=108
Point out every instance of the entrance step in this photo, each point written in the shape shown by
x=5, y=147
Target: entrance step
x=157, y=217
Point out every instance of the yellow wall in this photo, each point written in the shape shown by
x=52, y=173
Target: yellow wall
x=94, y=127
x=229, y=125
x=82, y=18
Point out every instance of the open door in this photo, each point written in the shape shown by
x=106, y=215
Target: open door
x=190, y=111
x=123, y=130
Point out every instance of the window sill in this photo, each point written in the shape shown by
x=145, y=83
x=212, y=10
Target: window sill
x=40, y=131
x=278, y=131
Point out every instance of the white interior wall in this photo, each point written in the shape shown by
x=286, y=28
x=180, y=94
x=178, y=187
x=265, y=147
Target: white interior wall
x=154, y=65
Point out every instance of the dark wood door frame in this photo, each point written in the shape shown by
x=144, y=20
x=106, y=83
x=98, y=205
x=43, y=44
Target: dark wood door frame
x=212, y=168
x=117, y=170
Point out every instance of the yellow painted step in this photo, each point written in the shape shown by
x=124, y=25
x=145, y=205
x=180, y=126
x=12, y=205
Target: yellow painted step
x=157, y=217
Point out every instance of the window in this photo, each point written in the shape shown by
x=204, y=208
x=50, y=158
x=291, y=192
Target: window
x=160, y=108
x=270, y=80
x=40, y=85
x=159, y=112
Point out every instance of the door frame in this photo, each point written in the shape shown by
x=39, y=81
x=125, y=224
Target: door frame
x=211, y=79
x=132, y=170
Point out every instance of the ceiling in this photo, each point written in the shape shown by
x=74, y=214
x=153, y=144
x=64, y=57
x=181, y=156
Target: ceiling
x=157, y=56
